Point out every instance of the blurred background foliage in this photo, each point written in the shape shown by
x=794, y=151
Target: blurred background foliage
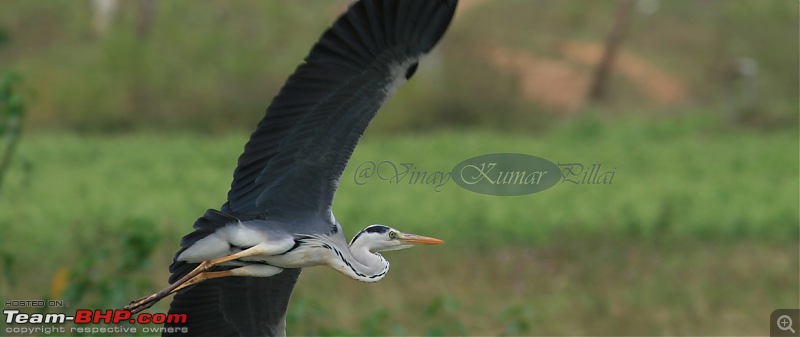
x=134, y=119
x=12, y=112
x=505, y=64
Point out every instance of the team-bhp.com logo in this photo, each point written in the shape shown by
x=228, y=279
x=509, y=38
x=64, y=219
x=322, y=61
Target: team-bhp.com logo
x=87, y=321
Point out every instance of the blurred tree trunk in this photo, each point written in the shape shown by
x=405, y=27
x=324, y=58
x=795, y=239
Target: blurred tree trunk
x=147, y=10
x=103, y=12
x=597, y=91
x=12, y=109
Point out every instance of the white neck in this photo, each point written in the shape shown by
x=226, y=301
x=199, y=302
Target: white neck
x=359, y=263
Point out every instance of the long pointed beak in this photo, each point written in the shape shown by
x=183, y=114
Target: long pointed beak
x=419, y=240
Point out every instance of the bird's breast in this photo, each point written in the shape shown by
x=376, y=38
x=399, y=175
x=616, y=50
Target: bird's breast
x=301, y=257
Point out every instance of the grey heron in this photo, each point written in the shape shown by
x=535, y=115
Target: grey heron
x=235, y=272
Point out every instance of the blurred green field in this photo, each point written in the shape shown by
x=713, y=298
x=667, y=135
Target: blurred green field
x=698, y=234
x=131, y=134
x=214, y=66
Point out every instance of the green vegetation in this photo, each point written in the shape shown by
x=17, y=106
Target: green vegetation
x=215, y=67
x=696, y=214
x=12, y=111
x=134, y=132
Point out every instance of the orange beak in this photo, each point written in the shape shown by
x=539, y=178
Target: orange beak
x=419, y=240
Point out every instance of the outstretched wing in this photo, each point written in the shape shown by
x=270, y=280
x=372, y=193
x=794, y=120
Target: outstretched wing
x=234, y=306
x=294, y=159
x=292, y=164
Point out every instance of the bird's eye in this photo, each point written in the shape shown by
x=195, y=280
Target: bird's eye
x=392, y=234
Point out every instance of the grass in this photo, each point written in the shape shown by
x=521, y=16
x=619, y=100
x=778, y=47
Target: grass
x=199, y=60
x=581, y=286
x=697, y=235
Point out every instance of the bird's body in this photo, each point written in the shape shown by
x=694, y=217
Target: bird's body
x=235, y=272
x=276, y=248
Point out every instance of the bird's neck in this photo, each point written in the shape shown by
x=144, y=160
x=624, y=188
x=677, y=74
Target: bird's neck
x=359, y=263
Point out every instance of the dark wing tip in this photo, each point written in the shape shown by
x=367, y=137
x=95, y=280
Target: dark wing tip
x=371, y=33
x=370, y=27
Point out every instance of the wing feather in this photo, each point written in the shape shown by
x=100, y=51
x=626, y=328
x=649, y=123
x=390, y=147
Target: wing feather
x=292, y=163
x=295, y=158
x=235, y=306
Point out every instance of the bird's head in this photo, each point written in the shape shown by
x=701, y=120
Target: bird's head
x=378, y=238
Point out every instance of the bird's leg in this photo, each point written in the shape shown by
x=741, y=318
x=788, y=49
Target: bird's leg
x=206, y=275
x=190, y=278
x=251, y=270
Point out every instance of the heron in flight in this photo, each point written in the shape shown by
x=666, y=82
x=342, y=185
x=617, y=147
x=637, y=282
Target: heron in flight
x=235, y=272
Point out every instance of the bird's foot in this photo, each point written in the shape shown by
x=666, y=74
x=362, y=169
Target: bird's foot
x=197, y=275
x=146, y=302
x=143, y=303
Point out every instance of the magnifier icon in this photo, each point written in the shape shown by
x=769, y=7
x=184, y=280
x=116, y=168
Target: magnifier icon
x=785, y=323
